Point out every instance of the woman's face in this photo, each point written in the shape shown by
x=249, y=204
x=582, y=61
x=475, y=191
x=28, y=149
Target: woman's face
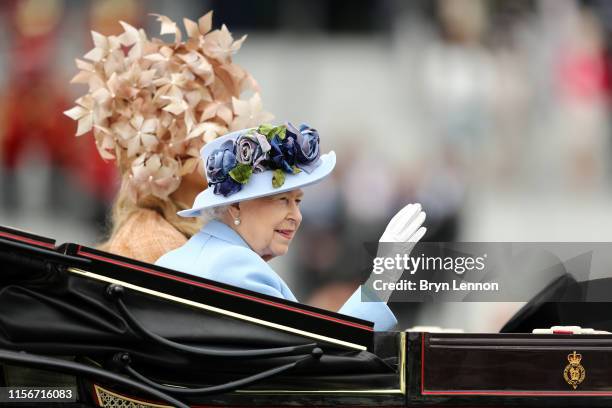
x=268, y=224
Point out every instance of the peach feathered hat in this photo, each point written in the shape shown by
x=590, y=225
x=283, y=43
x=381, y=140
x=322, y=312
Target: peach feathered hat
x=152, y=105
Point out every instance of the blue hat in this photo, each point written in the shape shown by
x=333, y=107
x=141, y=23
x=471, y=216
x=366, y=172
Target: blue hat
x=259, y=162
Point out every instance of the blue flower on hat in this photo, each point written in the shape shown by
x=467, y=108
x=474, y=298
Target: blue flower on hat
x=251, y=150
x=306, y=141
x=218, y=166
x=282, y=153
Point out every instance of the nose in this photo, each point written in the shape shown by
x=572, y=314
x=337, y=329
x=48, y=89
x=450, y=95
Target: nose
x=295, y=214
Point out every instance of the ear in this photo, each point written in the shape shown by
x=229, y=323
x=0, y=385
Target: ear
x=234, y=210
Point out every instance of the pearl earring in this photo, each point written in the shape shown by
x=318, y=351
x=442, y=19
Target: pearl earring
x=236, y=221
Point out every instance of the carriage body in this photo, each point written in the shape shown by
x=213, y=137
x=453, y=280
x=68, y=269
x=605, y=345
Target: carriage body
x=124, y=333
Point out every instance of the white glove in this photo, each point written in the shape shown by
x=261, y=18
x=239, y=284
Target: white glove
x=401, y=235
x=405, y=226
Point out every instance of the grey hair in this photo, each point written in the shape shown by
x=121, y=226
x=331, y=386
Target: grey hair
x=214, y=213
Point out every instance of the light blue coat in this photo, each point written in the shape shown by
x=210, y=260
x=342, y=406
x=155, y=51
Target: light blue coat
x=219, y=253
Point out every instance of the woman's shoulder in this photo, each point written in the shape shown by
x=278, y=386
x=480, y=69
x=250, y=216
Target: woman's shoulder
x=145, y=236
x=221, y=258
x=240, y=266
x=221, y=255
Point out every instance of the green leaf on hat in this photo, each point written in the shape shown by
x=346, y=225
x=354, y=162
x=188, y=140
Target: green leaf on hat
x=296, y=169
x=280, y=131
x=265, y=130
x=270, y=131
x=278, y=179
x=241, y=173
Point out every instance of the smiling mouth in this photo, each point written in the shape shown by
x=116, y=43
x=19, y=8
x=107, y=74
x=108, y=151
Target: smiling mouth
x=286, y=233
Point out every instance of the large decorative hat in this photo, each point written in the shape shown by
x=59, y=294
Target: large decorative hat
x=152, y=104
x=259, y=162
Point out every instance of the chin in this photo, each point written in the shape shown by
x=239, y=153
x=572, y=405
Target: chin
x=281, y=250
x=273, y=255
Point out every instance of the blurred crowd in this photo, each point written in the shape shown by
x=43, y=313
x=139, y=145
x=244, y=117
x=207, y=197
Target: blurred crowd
x=450, y=103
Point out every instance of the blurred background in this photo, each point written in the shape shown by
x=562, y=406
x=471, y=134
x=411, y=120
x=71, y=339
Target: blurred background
x=494, y=115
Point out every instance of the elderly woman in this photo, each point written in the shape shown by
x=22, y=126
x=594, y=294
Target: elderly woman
x=253, y=207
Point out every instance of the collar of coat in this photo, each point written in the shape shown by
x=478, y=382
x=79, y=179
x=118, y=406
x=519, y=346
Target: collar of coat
x=222, y=231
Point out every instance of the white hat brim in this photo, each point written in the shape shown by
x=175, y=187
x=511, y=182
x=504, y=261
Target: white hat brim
x=260, y=185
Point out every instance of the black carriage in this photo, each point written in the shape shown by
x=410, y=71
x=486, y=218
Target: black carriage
x=117, y=332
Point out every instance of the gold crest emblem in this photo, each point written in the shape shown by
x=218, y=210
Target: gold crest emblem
x=574, y=372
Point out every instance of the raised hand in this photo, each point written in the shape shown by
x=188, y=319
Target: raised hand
x=401, y=235
x=405, y=226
